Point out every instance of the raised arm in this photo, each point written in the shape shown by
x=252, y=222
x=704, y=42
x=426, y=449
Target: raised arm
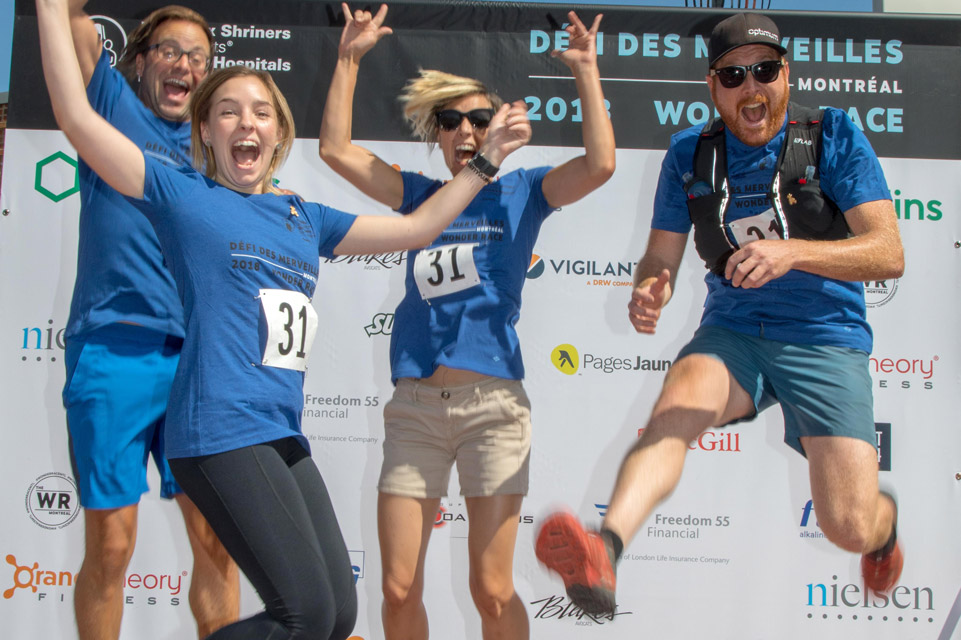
x=577, y=177
x=356, y=164
x=86, y=40
x=108, y=152
x=509, y=130
x=654, y=278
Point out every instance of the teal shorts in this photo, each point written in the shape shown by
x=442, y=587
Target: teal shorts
x=822, y=390
x=118, y=384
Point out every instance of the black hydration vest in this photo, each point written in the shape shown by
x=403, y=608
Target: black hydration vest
x=800, y=208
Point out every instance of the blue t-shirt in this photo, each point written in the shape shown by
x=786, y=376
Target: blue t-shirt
x=470, y=324
x=224, y=249
x=798, y=307
x=120, y=270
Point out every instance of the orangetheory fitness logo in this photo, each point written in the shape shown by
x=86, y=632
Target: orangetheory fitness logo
x=30, y=577
x=566, y=359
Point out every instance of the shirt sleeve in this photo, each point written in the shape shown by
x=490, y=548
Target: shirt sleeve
x=670, y=201
x=162, y=187
x=333, y=225
x=105, y=87
x=535, y=178
x=850, y=171
x=417, y=188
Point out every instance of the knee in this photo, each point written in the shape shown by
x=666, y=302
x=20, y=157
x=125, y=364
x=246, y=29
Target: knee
x=108, y=557
x=491, y=595
x=851, y=530
x=400, y=592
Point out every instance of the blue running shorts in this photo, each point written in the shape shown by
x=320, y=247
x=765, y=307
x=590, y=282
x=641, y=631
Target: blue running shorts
x=118, y=383
x=822, y=390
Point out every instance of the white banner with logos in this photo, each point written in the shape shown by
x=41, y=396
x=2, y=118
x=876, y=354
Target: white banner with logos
x=736, y=552
x=738, y=542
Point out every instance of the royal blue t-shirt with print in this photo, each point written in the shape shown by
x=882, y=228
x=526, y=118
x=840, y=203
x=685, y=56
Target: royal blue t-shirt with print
x=246, y=267
x=463, y=294
x=798, y=307
x=120, y=270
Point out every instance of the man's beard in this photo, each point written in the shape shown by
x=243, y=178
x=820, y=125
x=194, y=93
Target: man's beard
x=774, y=119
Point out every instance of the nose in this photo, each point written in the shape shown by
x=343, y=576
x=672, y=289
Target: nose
x=465, y=127
x=182, y=62
x=246, y=119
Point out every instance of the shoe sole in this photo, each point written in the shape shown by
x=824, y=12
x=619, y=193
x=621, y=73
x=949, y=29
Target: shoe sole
x=561, y=547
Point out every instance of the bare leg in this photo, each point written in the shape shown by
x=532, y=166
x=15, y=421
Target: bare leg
x=214, y=586
x=851, y=511
x=404, y=526
x=110, y=536
x=493, y=533
x=698, y=393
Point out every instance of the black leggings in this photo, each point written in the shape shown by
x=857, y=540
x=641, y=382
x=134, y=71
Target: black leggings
x=269, y=506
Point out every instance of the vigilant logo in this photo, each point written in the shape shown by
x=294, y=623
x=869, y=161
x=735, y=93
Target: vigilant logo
x=536, y=268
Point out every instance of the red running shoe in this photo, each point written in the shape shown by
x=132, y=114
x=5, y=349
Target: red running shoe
x=881, y=570
x=582, y=559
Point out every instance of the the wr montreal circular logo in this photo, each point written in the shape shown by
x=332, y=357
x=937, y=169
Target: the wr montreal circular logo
x=52, y=501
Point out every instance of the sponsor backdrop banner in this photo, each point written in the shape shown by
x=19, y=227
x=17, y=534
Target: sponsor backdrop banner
x=737, y=551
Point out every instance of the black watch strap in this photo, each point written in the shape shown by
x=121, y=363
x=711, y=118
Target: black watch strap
x=483, y=165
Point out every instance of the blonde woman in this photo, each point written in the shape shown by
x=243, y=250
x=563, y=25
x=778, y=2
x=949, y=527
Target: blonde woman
x=455, y=357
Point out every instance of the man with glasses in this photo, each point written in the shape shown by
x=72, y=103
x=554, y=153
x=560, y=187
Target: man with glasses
x=125, y=326
x=790, y=212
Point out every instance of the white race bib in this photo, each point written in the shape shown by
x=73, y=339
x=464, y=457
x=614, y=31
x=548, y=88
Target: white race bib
x=291, y=327
x=445, y=269
x=763, y=226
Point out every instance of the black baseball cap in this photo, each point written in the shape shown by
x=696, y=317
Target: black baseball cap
x=742, y=29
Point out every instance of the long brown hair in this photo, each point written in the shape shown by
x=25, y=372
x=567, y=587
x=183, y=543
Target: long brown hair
x=200, y=104
x=139, y=38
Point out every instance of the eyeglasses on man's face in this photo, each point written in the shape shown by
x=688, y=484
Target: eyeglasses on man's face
x=171, y=53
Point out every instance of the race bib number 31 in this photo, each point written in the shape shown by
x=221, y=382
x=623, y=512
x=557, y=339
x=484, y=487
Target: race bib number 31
x=763, y=226
x=446, y=269
x=291, y=327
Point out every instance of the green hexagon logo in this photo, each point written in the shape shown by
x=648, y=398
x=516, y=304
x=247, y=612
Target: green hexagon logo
x=57, y=173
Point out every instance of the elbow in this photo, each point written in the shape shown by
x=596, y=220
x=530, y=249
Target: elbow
x=597, y=174
x=601, y=169
x=326, y=152
x=897, y=263
x=605, y=171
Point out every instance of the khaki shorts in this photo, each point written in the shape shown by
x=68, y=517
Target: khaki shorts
x=484, y=426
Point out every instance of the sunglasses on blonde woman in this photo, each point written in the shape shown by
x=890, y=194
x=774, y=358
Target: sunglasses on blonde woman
x=450, y=119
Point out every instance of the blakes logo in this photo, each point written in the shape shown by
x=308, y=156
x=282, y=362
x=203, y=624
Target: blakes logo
x=560, y=609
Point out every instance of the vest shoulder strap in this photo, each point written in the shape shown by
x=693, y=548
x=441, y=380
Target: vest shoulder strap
x=802, y=144
x=710, y=155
